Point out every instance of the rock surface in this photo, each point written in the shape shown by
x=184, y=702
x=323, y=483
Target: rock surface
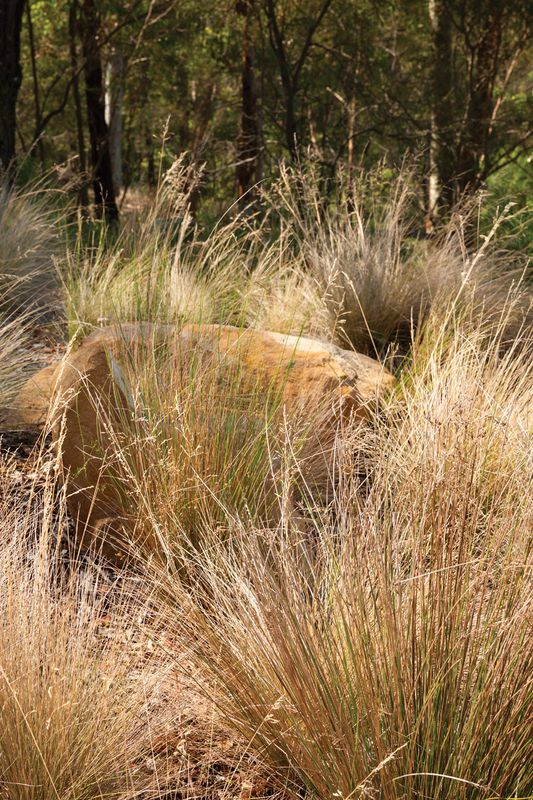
x=89, y=390
x=31, y=406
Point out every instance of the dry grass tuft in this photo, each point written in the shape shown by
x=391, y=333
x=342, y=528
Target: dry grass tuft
x=89, y=706
x=385, y=653
x=14, y=336
x=195, y=442
x=73, y=701
x=165, y=268
x=374, y=647
x=352, y=267
x=31, y=229
x=379, y=277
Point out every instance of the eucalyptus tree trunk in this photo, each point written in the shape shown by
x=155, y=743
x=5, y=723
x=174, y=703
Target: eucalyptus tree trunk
x=248, y=141
x=36, y=89
x=102, y=174
x=73, y=50
x=290, y=69
x=10, y=78
x=114, y=98
x=441, y=147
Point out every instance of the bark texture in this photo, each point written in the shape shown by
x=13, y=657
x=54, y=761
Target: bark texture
x=10, y=78
x=248, y=141
x=113, y=102
x=80, y=135
x=102, y=174
x=442, y=160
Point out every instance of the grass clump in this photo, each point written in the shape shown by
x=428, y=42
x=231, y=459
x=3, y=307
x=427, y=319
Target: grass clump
x=379, y=274
x=352, y=267
x=385, y=654
x=14, y=337
x=165, y=268
x=193, y=437
x=369, y=641
x=72, y=694
x=31, y=229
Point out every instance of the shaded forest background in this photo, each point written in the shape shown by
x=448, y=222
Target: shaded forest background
x=107, y=93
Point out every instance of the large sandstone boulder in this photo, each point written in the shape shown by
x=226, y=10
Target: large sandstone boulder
x=94, y=387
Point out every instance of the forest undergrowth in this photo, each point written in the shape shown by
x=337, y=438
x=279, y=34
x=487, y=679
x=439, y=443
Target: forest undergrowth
x=370, y=642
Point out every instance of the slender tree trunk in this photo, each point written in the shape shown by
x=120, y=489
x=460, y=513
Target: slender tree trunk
x=259, y=165
x=352, y=115
x=475, y=149
x=82, y=164
x=290, y=73
x=114, y=98
x=102, y=175
x=441, y=146
x=151, y=176
x=183, y=98
x=290, y=123
x=288, y=79
x=36, y=92
x=434, y=175
x=10, y=78
x=248, y=141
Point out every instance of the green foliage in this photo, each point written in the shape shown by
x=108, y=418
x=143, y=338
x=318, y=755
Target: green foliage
x=514, y=185
x=364, y=88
